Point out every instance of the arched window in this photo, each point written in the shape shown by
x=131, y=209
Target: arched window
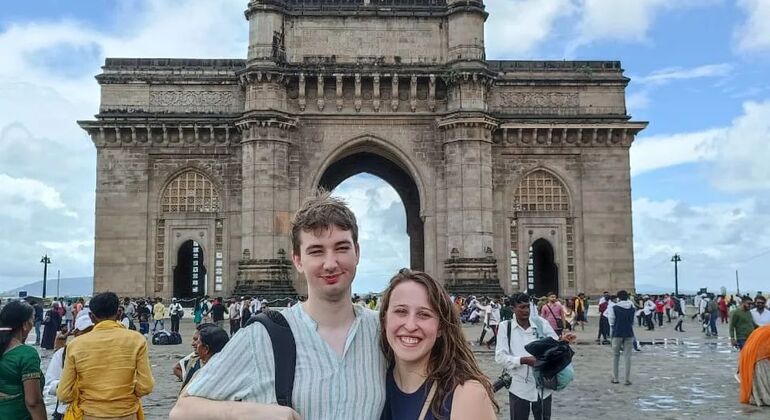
x=190, y=191
x=541, y=191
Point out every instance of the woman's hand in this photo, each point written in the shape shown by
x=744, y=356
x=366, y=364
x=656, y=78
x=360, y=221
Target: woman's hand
x=569, y=337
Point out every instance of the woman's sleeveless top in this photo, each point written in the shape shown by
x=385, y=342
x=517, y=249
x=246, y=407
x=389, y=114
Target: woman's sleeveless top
x=402, y=406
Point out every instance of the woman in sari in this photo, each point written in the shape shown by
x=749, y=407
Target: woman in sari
x=433, y=373
x=754, y=365
x=21, y=384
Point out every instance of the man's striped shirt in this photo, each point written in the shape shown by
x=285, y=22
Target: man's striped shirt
x=326, y=386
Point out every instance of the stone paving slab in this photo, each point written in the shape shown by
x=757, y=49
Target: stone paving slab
x=691, y=379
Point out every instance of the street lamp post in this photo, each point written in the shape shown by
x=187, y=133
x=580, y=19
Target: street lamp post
x=676, y=259
x=45, y=261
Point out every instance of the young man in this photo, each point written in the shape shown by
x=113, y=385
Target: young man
x=741, y=324
x=760, y=314
x=649, y=309
x=621, y=319
x=174, y=310
x=158, y=313
x=218, y=313
x=340, y=368
x=107, y=370
x=234, y=311
x=679, y=311
x=524, y=394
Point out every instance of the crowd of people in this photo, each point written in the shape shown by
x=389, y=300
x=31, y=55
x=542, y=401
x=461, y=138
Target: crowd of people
x=403, y=355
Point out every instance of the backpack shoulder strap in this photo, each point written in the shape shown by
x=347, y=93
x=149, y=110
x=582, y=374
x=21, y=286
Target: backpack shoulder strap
x=284, y=353
x=508, y=330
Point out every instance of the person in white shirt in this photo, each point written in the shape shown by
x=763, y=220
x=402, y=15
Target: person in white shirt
x=234, y=313
x=510, y=353
x=649, y=309
x=174, y=311
x=760, y=314
x=83, y=324
x=485, y=308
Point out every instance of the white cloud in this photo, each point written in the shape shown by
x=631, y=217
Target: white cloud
x=382, y=230
x=743, y=154
x=736, y=155
x=753, y=35
x=714, y=239
x=663, y=76
x=18, y=194
x=655, y=152
x=622, y=20
x=518, y=27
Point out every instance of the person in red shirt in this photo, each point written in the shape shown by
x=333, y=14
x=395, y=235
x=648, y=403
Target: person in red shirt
x=723, y=312
x=659, y=309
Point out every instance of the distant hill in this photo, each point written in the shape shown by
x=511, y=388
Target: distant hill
x=72, y=286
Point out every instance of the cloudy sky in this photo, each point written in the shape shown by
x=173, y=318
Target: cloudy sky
x=700, y=76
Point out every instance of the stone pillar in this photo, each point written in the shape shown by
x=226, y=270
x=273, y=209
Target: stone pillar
x=466, y=30
x=470, y=264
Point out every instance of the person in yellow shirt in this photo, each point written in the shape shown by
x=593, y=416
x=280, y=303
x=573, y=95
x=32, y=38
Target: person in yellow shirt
x=158, y=313
x=106, y=372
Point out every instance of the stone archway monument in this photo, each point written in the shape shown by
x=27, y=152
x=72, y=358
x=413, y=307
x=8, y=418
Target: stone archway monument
x=487, y=156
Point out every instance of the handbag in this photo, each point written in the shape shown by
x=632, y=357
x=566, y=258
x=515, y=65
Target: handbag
x=559, y=321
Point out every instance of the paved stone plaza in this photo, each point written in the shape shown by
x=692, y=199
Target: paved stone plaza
x=672, y=381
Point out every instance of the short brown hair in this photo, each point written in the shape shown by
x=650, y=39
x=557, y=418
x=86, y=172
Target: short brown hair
x=319, y=213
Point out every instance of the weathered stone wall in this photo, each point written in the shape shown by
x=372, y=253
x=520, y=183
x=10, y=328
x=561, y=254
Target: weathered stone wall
x=368, y=39
x=120, y=254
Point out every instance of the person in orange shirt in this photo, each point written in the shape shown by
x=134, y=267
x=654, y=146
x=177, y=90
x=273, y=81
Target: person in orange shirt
x=754, y=365
x=106, y=372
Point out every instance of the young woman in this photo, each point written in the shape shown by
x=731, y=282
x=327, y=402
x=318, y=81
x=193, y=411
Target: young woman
x=21, y=383
x=432, y=374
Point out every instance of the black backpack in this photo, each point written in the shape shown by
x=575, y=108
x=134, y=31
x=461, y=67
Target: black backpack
x=284, y=352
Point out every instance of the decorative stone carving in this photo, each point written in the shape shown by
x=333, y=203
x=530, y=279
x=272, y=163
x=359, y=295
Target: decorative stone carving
x=191, y=98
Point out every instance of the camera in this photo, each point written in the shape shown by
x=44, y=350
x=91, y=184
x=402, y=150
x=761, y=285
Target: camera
x=504, y=381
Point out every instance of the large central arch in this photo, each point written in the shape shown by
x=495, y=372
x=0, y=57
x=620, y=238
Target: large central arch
x=399, y=179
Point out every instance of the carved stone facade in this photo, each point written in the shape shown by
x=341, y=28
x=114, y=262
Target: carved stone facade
x=514, y=174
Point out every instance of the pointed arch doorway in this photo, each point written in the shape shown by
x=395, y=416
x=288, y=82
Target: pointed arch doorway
x=399, y=179
x=190, y=271
x=543, y=273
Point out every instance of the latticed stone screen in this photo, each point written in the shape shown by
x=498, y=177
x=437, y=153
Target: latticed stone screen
x=190, y=191
x=541, y=191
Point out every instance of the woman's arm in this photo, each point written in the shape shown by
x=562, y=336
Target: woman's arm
x=33, y=399
x=471, y=401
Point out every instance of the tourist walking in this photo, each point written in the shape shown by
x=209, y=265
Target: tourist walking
x=234, y=313
x=679, y=312
x=621, y=319
x=218, y=313
x=581, y=310
x=51, y=326
x=175, y=312
x=553, y=312
x=649, y=310
x=21, y=380
x=603, y=337
x=760, y=314
x=659, y=309
x=159, y=314
x=201, y=310
x=68, y=317
x=39, y=316
x=421, y=339
x=723, y=309
x=107, y=371
x=712, y=309
x=741, y=324
x=339, y=340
